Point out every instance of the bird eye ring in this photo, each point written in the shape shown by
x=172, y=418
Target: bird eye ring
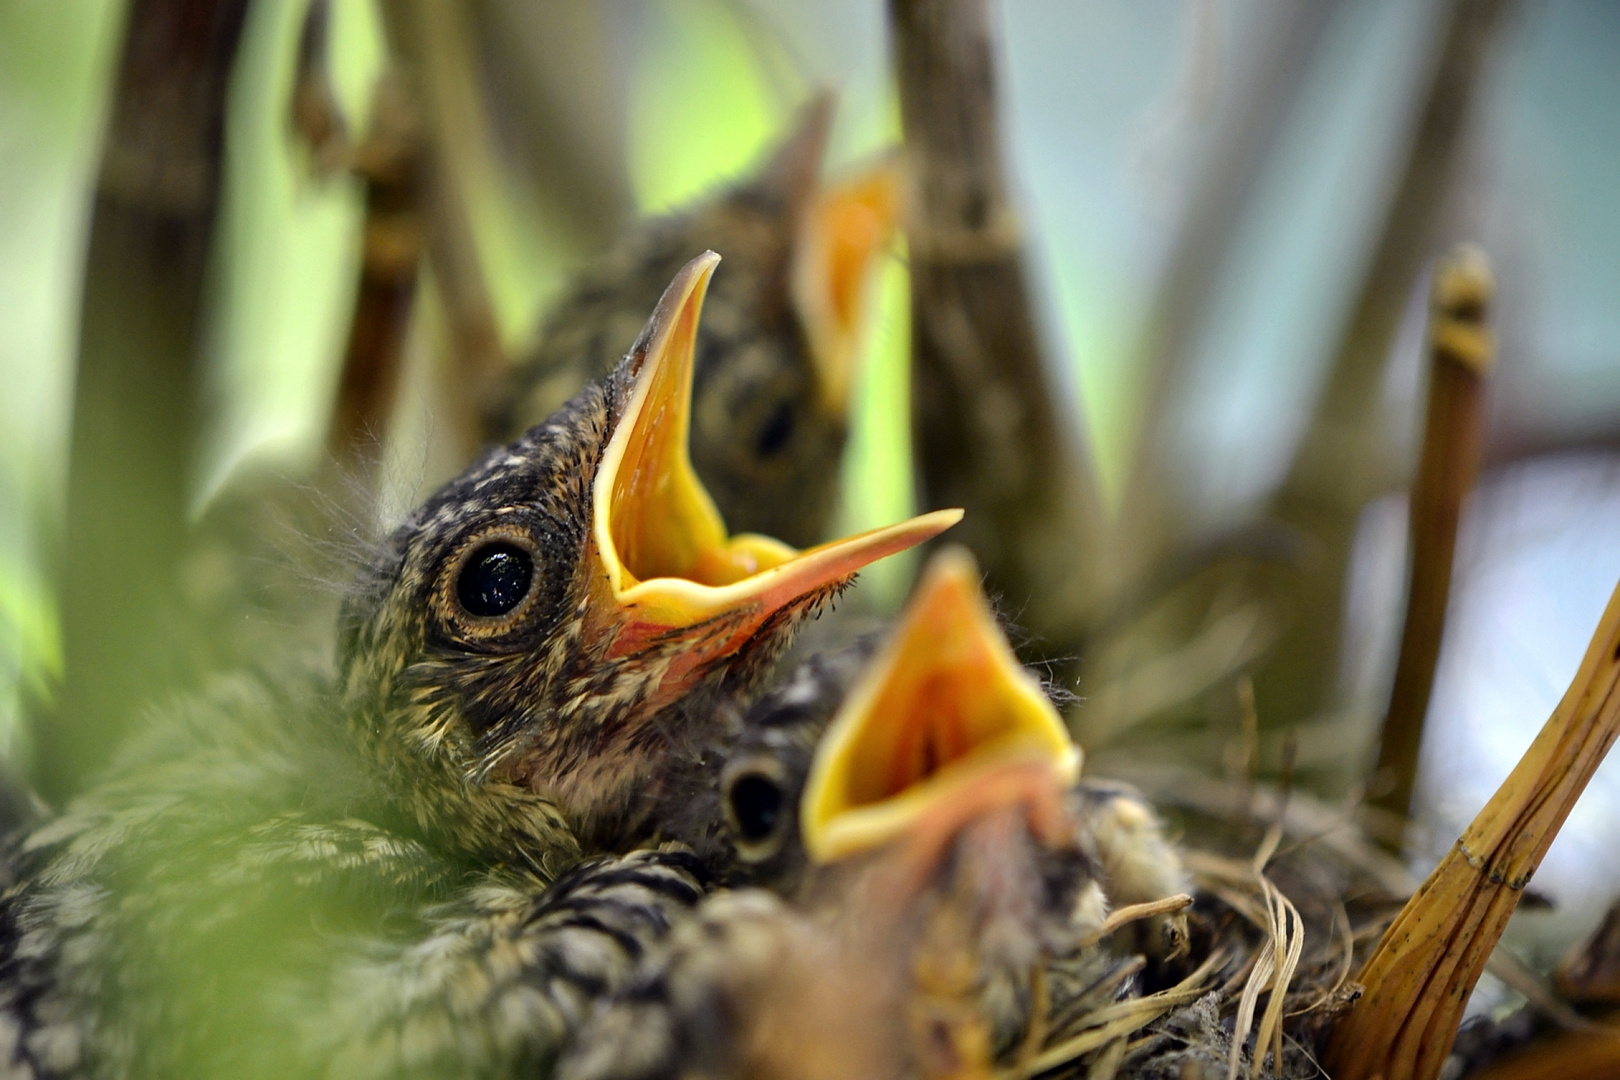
x=756, y=808
x=492, y=582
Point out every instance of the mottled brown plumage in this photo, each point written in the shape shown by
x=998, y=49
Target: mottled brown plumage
x=578, y=691
x=891, y=964
x=245, y=896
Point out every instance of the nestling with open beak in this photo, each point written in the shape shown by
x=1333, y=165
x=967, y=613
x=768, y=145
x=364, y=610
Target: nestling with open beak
x=302, y=868
x=778, y=350
x=924, y=919
x=835, y=769
x=953, y=683
x=541, y=621
x=860, y=737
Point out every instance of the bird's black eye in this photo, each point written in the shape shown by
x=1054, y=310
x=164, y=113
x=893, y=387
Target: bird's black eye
x=774, y=436
x=494, y=580
x=756, y=806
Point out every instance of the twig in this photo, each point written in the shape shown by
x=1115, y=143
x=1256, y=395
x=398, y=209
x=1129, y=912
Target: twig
x=1334, y=471
x=1460, y=355
x=1524, y=980
x=1121, y=1018
x=1590, y=972
x=390, y=162
x=317, y=119
x=1301, y=817
x=1130, y=913
x=1105, y=1066
x=1420, y=975
x=139, y=362
x=990, y=432
x=558, y=103
x=1076, y=1014
x=429, y=40
x=1569, y=1056
x=390, y=261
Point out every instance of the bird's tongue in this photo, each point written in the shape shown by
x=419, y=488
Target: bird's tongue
x=946, y=705
x=668, y=563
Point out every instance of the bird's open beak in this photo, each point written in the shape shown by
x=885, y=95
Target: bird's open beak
x=668, y=565
x=845, y=232
x=943, y=707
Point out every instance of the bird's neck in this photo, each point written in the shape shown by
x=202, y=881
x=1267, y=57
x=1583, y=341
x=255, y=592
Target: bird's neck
x=478, y=820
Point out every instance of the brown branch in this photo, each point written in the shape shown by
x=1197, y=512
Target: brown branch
x=133, y=405
x=1461, y=350
x=429, y=40
x=389, y=162
x=990, y=433
x=391, y=255
x=1590, y=972
x=1419, y=977
x=1335, y=469
x=316, y=118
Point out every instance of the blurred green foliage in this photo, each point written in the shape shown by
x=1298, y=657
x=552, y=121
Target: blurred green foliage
x=55, y=60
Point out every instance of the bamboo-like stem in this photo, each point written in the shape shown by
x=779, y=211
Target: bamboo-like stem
x=1461, y=351
x=990, y=433
x=151, y=230
x=1419, y=976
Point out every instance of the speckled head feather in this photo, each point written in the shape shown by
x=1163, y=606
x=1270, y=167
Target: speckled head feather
x=548, y=624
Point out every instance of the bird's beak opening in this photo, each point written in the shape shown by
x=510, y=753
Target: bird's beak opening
x=945, y=706
x=668, y=564
x=846, y=230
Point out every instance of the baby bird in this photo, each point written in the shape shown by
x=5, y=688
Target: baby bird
x=926, y=913
x=303, y=872
x=833, y=763
x=536, y=628
x=949, y=642
x=906, y=920
x=776, y=355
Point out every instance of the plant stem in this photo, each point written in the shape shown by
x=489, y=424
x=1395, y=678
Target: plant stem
x=1461, y=350
x=990, y=433
x=1419, y=976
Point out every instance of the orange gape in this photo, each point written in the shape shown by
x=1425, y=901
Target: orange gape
x=669, y=568
x=947, y=693
x=842, y=240
x=857, y=220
